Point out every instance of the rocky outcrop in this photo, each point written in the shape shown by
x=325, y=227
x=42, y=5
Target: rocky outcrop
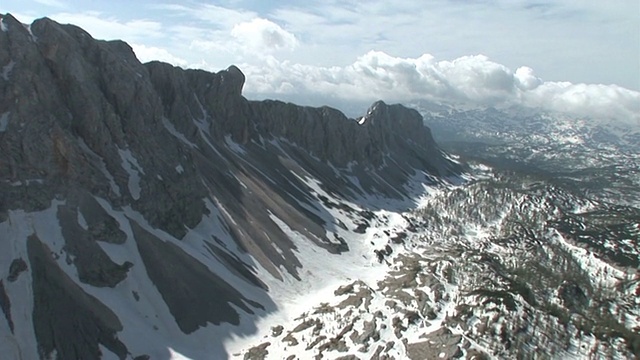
x=138, y=158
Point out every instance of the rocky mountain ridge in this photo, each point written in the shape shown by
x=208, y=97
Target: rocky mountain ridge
x=147, y=199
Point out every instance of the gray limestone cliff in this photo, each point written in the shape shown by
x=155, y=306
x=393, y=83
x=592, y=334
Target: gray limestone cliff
x=129, y=153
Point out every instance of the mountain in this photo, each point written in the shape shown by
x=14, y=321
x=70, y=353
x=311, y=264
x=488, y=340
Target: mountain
x=535, y=255
x=592, y=153
x=148, y=211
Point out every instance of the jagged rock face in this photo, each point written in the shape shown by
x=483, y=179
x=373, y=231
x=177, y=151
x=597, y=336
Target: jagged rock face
x=108, y=166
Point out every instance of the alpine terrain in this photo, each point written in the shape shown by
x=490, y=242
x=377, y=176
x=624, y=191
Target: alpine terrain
x=152, y=212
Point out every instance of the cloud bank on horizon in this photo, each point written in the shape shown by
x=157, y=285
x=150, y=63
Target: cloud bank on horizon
x=468, y=80
x=340, y=52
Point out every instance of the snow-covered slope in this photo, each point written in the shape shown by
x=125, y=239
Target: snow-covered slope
x=502, y=266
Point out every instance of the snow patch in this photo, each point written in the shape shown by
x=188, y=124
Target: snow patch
x=106, y=354
x=6, y=70
x=101, y=165
x=3, y=26
x=173, y=131
x=4, y=121
x=82, y=221
x=131, y=166
x=202, y=123
x=26, y=182
x=234, y=145
x=174, y=355
x=179, y=169
x=33, y=37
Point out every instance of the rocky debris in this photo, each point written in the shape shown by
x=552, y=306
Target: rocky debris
x=290, y=339
x=324, y=308
x=439, y=342
x=334, y=344
x=315, y=342
x=399, y=237
x=369, y=333
x=573, y=297
x=389, y=345
x=398, y=327
x=368, y=215
x=382, y=253
x=361, y=228
x=346, y=329
x=16, y=268
x=377, y=353
x=317, y=328
x=412, y=317
x=259, y=352
x=360, y=294
x=347, y=357
x=277, y=330
x=345, y=289
x=475, y=354
x=304, y=325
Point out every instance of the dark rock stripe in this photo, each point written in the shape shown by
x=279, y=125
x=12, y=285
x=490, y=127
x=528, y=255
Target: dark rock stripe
x=195, y=296
x=5, y=305
x=65, y=318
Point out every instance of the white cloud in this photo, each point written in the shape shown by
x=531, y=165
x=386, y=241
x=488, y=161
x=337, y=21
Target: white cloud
x=526, y=79
x=473, y=80
x=149, y=53
x=263, y=35
x=589, y=100
x=563, y=39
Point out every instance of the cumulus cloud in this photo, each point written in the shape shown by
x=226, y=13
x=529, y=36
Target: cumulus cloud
x=473, y=80
x=526, y=79
x=149, y=53
x=263, y=35
x=604, y=101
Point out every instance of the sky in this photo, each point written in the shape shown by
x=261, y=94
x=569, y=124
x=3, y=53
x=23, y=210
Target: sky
x=576, y=56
